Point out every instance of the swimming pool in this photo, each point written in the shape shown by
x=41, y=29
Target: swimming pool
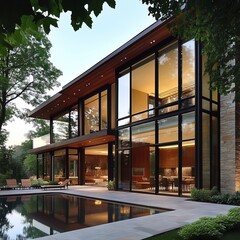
x=33, y=216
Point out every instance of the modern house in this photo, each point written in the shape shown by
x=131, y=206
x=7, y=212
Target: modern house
x=143, y=116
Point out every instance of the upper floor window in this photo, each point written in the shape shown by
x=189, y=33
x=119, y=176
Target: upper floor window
x=96, y=113
x=61, y=127
x=168, y=78
x=143, y=88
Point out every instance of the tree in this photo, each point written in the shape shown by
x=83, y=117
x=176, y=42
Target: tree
x=217, y=25
x=26, y=73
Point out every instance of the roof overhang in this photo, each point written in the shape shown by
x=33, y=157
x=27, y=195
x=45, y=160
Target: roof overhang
x=97, y=138
x=102, y=73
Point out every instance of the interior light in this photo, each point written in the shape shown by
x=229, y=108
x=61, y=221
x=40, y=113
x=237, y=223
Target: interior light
x=175, y=146
x=98, y=202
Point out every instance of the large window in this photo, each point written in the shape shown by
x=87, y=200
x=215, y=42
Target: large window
x=188, y=74
x=124, y=97
x=96, y=113
x=143, y=88
x=91, y=114
x=59, y=165
x=168, y=78
x=160, y=147
x=143, y=157
x=74, y=121
x=61, y=127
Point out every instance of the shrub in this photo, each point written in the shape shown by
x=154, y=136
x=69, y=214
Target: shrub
x=38, y=182
x=204, y=229
x=234, y=215
x=226, y=221
x=111, y=185
x=214, y=191
x=221, y=198
x=234, y=199
x=202, y=195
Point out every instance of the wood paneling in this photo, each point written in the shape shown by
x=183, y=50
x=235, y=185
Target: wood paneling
x=168, y=157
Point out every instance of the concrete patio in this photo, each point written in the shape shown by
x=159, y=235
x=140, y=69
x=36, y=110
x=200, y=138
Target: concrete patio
x=185, y=211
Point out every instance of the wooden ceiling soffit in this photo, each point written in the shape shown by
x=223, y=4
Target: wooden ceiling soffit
x=101, y=137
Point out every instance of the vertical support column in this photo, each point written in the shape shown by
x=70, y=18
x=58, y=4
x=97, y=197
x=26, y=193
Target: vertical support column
x=51, y=131
x=51, y=166
x=37, y=166
x=110, y=161
x=81, y=178
x=67, y=164
x=198, y=115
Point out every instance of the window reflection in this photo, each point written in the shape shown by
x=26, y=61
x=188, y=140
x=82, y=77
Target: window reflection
x=74, y=121
x=143, y=87
x=91, y=114
x=124, y=94
x=168, y=75
x=59, y=165
x=61, y=127
x=188, y=126
x=168, y=129
x=188, y=69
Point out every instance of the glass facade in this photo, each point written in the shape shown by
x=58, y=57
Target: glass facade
x=157, y=122
x=166, y=122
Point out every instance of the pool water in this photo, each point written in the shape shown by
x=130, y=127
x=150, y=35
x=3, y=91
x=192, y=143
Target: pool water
x=33, y=216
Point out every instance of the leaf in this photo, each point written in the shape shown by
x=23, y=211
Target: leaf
x=111, y=3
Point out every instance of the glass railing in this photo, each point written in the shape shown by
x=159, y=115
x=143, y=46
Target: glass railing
x=41, y=141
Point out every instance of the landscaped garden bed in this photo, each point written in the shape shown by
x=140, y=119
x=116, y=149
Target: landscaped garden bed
x=222, y=227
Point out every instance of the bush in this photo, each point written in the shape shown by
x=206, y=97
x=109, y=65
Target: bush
x=234, y=199
x=38, y=182
x=211, y=228
x=204, y=229
x=234, y=215
x=221, y=198
x=111, y=185
x=202, y=195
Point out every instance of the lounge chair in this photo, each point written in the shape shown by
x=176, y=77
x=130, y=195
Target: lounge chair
x=12, y=183
x=26, y=183
x=62, y=185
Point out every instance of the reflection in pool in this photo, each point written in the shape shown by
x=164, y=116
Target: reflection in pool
x=32, y=216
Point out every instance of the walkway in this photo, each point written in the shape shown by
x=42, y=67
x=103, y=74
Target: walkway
x=185, y=211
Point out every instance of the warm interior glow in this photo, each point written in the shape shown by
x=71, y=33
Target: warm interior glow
x=175, y=146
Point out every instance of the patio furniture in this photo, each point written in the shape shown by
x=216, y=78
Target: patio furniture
x=12, y=183
x=26, y=183
x=62, y=185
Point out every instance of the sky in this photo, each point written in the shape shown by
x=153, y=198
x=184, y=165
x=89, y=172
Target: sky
x=75, y=52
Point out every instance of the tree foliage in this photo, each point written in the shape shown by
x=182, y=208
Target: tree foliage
x=26, y=73
x=217, y=25
x=25, y=15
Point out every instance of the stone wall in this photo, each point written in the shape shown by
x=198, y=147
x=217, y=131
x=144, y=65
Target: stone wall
x=227, y=142
x=237, y=132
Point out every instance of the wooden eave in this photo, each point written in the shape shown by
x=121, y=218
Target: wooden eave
x=97, y=138
x=102, y=73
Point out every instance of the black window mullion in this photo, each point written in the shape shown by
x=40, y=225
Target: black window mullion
x=100, y=111
x=198, y=115
x=130, y=131
x=156, y=124
x=179, y=118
